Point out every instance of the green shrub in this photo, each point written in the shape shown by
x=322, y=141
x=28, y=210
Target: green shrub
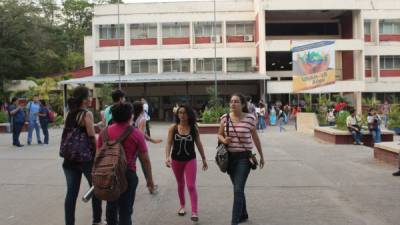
x=321, y=116
x=212, y=114
x=341, y=120
x=394, y=117
x=3, y=117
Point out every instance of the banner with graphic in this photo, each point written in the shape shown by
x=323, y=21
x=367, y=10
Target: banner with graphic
x=313, y=64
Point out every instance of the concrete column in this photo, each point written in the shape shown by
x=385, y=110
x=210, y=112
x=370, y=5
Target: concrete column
x=378, y=68
x=358, y=25
x=96, y=68
x=159, y=64
x=261, y=42
x=191, y=35
x=375, y=67
x=223, y=30
x=128, y=68
x=224, y=65
x=358, y=98
x=263, y=88
x=191, y=65
x=359, y=68
x=375, y=31
x=159, y=34
x=127, y=35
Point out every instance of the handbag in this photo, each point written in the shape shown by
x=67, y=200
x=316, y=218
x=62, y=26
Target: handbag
x=252, y=157
x=75, y=143
x=222, y=155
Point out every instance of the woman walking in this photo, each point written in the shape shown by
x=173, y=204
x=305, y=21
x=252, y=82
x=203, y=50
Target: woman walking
x=239, y=140
x=79, y=118
x=182, y=137
x=44, y=120
x=139, y=121
x=261, y=117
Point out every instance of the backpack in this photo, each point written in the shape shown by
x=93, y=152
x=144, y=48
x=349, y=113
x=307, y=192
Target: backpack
x=109, y=167
x=51, y=116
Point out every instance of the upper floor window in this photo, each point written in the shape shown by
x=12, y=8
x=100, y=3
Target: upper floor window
x=112, y=67
x=144, y=66
x=389, y=27
x=239, y=28
x=367, y=27
x=143, y=31
x=390, y=62
x=239, y=65
x=176, y=65
x=171, y=30
x=111, y=31
x=368, y=62
x=207, y=65
x=202, y=29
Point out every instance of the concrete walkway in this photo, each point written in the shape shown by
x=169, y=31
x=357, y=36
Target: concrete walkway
x=305, y=182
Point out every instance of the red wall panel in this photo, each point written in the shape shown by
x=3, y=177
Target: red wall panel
x=235, y=38
x=390, y=73
x=368, y=73
x=111, y=42
x=348, y=65
x=148, y=41
x=367, y=38
x=176, y=41
x=346, y=23
x=389, y=37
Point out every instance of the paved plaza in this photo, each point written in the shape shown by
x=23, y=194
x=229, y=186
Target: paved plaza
x=305, y=182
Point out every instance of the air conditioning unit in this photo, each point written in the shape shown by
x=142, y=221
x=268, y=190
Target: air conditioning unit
x=248, y=38
x=216, y=39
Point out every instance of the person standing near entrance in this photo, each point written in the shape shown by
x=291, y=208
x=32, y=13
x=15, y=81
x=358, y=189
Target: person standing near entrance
x=33, y=108
x=117, y=97
x=17, y=115
x=146, y=115
x=182, y=136
x=44, y=120
x=239, y=140
x=385, y=112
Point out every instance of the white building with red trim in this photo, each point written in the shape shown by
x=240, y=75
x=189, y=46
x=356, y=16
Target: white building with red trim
x=166, y=49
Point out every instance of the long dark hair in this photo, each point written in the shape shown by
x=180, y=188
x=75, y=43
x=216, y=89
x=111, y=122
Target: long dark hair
x=191, y=118
x=243, y=101
x=78, y=96
x=137, y=110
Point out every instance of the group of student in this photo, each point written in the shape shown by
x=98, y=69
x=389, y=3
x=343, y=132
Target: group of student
x=180, y=155
x=36, y=113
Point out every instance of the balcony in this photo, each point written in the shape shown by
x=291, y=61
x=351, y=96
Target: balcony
x=340, y=45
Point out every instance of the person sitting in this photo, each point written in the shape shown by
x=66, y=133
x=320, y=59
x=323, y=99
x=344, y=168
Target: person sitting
x=354, y=127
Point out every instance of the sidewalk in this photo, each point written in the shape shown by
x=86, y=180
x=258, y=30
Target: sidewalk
x=305, y=182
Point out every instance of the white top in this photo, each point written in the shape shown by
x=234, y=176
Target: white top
x=146, y=111
x=352, y=120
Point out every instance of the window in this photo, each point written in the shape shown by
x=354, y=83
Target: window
x=389, y=27
x=239, y=65
x=144, y=66
x=239, y=28
x=390, y=62
x=202, y=29
x=302, y=29
x=111, y=31
x=207, y=65
x=143, y=31
x=176, y=65
x=171, y=30
x=368, y=62
x=111, y=67
x=367, y=27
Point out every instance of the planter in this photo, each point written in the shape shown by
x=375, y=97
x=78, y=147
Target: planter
x=397, y=130
x=205, y=128
x=387, y=152
x=5, y=128
x=334, y=136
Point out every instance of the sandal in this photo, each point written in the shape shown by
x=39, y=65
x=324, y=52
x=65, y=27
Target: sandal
x=194, y=218
x=181, y=212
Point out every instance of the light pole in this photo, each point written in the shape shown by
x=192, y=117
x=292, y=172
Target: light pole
x=215, y=53
x=119, y=48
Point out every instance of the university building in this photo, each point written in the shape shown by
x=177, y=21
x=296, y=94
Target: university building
x=166, y=50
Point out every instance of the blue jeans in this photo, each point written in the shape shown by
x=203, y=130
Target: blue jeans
x=17, y=127
x=281, y=124
x=45, y=129
x=33, y=125
x=239, y=171
x=73, y=174
x=376, y=135
x=385, y=119
x=123, y=207
x=356, y=136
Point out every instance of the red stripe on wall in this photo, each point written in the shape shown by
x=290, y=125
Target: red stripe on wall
x=147, y=41
x=390, y=73
x=202, y=40
x=235, y=38
x=389, y=37
x=348, y=65
x=176, y=41
x=111, y=42
x=367, y=37
x=368, y=73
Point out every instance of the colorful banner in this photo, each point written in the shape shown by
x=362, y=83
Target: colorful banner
x=313, y=64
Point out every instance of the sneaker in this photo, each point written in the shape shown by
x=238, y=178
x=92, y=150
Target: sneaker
x=154, y=191
x=181, y=212
x=194, y=218
x=396, y=174
x=101, y=223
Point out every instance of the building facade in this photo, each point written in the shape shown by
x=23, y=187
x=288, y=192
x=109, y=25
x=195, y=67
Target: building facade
x=166, y=50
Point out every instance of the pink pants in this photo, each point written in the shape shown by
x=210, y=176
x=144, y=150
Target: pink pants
x=186, y=170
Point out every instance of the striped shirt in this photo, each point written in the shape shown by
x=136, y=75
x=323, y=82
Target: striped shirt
x=241, y=140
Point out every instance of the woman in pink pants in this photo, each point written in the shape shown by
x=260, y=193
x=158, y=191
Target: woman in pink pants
x=182, y=137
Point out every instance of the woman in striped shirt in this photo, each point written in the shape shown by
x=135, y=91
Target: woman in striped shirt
x=239, y=139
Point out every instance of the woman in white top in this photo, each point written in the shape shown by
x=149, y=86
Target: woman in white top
x=139, y=121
